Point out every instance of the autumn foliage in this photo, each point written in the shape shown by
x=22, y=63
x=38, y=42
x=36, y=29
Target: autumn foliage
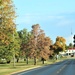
x=25, y=44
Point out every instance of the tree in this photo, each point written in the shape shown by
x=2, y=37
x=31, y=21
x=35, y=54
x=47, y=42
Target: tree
x=25, y=36
x=7, y=28
x=70, y=45
x=35, y=32
x=16, y=45
x=40, y=44
x=43, y=46
x=59, y=44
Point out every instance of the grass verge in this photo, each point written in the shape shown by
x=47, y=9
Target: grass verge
x=8, y=69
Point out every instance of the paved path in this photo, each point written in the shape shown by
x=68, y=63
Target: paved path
x=66, y=67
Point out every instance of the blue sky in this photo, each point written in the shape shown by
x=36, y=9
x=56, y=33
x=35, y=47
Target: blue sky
x=55, y=17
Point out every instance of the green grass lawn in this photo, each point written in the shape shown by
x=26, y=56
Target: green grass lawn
x=8, y=69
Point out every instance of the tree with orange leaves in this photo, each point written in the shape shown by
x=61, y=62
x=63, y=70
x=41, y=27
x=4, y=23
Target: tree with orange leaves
x=59, y=44
x=7, y=27
x=44, y=46
x=40, y=44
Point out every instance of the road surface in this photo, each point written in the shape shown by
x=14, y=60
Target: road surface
x=66, y=67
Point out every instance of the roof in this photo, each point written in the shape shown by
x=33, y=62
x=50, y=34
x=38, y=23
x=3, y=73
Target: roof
x=71, y=49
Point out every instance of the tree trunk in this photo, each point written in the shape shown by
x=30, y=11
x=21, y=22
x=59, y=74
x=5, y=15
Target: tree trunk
x=42, y=61
x=34, y=60
x=24, y=59
x=8, y=61
x=27, y=60
x=17, y=60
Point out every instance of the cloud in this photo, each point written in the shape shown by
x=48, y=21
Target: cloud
x=55, y=17
x=58, y=20
x=28, y=18
x=64, y=22
x=23, y=19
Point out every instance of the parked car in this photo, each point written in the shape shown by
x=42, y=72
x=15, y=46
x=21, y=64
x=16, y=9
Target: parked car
x=72, y=55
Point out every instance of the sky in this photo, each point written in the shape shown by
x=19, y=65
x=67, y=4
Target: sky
x=55, y=17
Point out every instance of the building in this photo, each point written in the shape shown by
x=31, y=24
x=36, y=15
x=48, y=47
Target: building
x=70, y=51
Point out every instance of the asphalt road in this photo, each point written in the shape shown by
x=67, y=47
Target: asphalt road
x=66, y=67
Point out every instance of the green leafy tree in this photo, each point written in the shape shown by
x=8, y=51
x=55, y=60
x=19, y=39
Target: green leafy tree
x=25, y=36
x=16, y=45
x=70, y=45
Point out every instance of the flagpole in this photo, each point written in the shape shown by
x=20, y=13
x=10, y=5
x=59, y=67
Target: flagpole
x=72, y=39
